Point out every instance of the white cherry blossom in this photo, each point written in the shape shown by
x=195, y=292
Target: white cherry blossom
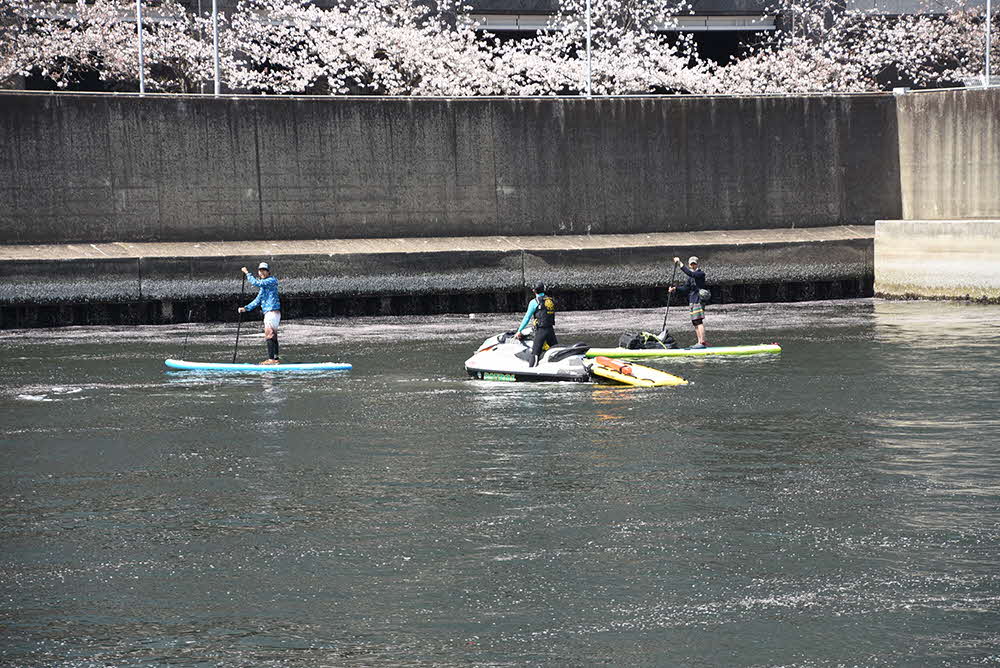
x=407, y=47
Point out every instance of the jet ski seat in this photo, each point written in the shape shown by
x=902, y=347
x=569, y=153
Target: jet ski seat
x=570, y=351
x=523, y=354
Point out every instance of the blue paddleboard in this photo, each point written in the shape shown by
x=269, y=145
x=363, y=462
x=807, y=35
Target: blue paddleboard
x=222, y=366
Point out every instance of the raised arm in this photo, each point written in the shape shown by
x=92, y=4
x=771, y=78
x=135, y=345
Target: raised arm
x=259, y=283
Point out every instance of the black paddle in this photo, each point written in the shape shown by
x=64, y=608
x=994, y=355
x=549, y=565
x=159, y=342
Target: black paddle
x=673, y=274
x=188, y=332
x=239, y=323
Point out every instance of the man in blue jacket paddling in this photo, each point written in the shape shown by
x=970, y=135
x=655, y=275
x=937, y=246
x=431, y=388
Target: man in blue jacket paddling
x=695, y=289
x=267, y=299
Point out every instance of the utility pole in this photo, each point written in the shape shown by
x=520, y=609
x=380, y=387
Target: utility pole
x=589, y=71
x=989, y=31
x=215, y=42
x=142, y=58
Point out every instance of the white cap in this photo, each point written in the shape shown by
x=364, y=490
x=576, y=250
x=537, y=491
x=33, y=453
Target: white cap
x=263, y=265
x=693, y=259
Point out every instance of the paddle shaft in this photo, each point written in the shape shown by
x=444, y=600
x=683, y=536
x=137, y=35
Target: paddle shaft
x=188, y=332
x=239, y=323
x=673, y=274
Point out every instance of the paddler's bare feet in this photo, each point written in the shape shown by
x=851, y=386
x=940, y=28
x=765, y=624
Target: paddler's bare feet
x=270, y=362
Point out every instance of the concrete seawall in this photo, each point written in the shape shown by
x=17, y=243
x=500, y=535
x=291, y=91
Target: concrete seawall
x=948, y=245
x=948, y=259
x=949, y=154
x=150, y=283
x=94, y=168
x=144, y=206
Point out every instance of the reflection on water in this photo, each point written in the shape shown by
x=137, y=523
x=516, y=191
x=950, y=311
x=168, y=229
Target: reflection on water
x=937, y=324
x=611, y=402
x=833, y=505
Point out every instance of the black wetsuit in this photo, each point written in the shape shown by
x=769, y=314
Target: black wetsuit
x=545, y=323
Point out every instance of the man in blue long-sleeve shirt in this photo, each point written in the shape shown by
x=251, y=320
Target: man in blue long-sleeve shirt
x=268, y=301
x=694, y=287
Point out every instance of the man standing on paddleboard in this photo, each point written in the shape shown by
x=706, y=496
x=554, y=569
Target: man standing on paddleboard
x=695, y=289
x=544, y=310
x=267, y=299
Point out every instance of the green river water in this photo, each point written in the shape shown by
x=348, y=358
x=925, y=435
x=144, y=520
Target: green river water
x=836, y=505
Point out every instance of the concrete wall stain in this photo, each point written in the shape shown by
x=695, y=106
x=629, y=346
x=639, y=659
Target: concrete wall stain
x=167, y=168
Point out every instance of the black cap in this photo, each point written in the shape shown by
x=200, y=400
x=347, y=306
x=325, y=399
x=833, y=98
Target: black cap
x=539, y=287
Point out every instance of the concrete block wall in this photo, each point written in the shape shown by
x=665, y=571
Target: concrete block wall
x=88, y=168
x=949, y=154
x=948, y=243
x=431, y=273
x=163, y=289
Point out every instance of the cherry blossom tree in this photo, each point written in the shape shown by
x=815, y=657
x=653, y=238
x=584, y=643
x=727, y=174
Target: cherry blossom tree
x=10, y=53
x=825, y=46
x=66, y=42
x=942, y=45
x=397, y=47
x=414, y=47
x=386, y=47
x=631, y=52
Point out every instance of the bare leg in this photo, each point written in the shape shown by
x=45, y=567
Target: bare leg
x=700, y=331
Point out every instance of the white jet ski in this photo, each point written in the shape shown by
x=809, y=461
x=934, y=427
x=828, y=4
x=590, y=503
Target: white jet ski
x=504, y=357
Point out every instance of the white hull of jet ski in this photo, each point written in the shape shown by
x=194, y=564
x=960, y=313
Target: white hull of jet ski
x=504, y=358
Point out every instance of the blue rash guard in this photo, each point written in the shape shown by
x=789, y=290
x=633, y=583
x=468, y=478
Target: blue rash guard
x=695, y=282
x=267, y=298
x=532, y=307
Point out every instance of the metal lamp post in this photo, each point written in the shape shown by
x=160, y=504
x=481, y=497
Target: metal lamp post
x=215, y=42
x=142, y=59
x=589, y=74
x=989, y=31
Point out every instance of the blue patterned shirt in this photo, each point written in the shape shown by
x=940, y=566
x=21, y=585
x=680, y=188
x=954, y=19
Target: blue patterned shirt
x=267, y=298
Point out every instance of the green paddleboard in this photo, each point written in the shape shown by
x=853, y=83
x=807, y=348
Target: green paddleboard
x=646, y=353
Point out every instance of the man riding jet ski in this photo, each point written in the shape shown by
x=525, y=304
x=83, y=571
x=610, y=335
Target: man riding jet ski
x=542, y=314
x=509, y=357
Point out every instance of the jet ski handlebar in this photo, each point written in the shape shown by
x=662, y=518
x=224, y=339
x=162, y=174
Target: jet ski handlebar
x=512, y=334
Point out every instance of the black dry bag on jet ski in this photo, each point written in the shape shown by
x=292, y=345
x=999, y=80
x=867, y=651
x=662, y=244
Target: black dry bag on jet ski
x=630, y=340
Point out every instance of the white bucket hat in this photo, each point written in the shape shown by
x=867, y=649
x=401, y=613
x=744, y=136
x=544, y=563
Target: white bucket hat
x=264, y=265
x=693, y=259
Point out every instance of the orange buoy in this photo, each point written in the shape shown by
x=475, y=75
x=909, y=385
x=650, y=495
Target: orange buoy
x=623, y=368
